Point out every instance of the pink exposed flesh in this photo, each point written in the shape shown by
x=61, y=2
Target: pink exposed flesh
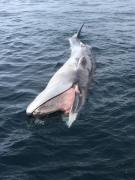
x=62, y=102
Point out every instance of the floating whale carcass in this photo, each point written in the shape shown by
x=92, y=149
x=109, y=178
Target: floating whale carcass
x=67, y=89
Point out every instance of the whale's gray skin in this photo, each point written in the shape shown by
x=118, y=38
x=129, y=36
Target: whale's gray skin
x=77, y=70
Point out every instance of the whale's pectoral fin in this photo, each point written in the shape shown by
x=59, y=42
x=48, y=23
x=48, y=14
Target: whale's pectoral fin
x=77, y=104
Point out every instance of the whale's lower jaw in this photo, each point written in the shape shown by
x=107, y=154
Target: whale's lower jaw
x=62, y=102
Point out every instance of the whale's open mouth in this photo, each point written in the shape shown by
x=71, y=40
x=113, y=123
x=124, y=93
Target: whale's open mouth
x=63, y=102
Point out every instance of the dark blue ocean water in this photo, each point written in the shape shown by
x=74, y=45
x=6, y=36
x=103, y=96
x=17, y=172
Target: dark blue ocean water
x=33, y=45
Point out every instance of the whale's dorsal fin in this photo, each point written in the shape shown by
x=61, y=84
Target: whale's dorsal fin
x=79, y=32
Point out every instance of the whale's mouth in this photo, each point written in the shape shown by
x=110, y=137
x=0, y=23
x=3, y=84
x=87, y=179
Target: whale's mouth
x=63, y=102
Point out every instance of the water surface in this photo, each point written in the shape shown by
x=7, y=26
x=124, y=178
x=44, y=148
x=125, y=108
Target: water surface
x=33, y=44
